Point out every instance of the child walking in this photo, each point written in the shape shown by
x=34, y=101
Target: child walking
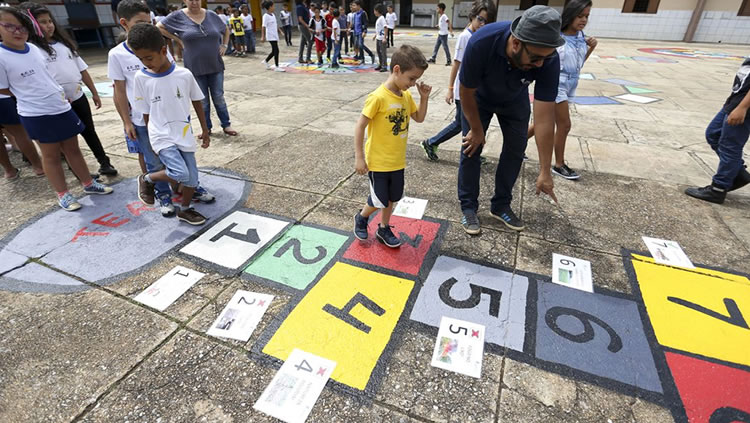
x=380, y=38
x=44, y=112
x=271, y=33
x=329, y=32
x=164, y=94
x=444, y=28
x=391, y=18
x=236, y=23
x=318, y=26
x=343, y=26
x=336, y=37
x=69, y=70
x=286, y=24
x=573, y=55
x=386, y=117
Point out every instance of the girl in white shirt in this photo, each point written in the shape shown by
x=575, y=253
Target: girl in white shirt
x=271, y=33
x=390, y=19
x=68, y=69
x=42, y=106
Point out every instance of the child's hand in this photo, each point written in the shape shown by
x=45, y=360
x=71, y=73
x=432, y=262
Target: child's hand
x=424, y=89
x=360, y=166
x=130, y=131
x=737, y=117
x=449, y=96
x=205, y=138
x=591, y=42
x=97, y=101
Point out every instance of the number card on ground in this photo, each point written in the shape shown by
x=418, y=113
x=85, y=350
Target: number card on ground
x=241, y=316
x=296, y=387
x=667, y=252
x=162, y=293
x=572, y=272
x=459, y=347
x=410, y=207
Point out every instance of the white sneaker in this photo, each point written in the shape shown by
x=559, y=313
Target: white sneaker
x=279, y=69
x=268, y=65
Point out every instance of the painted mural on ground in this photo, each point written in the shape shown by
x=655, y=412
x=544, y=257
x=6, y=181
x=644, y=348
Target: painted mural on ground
x=347, y=65
x=689, y=53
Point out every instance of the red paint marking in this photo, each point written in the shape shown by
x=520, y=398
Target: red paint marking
x=406, y=259
x=705, y=387
x=82, y=232
x=474, y=333
x=321, y=371
x=261, y=303
x=110, y=223
x=136, y=208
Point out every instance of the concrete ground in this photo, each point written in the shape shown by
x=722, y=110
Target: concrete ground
x=97, y=355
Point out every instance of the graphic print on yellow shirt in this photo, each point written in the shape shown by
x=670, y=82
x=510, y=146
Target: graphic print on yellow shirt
x=238, y=28
x=389, y=114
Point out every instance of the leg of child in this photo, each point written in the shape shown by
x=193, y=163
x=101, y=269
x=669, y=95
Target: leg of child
x=26, y=146
x=75, y=160
x=270, y=55
x=10, y=170
x=142, y=162
x=53, y=167
x=562, y=123
x=385, y=214
x=82, y=108
x=275, y=51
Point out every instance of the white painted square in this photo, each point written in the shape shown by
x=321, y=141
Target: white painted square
x=296, y=387
x=241, y=315
x=162, y=293
x=410, y=207
x=572, y=272
x=640, y=99
x=588, y=76
x=248, y=236
x=459, y=347
x=667, y=252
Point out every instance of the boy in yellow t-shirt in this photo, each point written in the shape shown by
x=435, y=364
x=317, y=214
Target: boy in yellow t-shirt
x=237, y=25
x=386, y=117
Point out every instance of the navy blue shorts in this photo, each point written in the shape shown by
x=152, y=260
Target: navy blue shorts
x=385, y=187
x=8, y=111
x=54, y=128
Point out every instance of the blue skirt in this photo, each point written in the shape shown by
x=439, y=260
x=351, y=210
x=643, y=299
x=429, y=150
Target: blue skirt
x=53, y=128
x=8, y=111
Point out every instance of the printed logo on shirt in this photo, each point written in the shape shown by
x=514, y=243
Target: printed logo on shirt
x=524, y=81
x=179, y=94
x=133, y=68
x=156, y=99
x=397, y=118
x=28, y=73
x=740, y=79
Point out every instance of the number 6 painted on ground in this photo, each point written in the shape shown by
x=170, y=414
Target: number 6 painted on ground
x=615, y=342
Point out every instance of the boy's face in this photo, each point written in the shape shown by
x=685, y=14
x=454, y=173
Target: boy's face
x=141, y=17
x=390, y=9
x=317, y=12
x=406, y=80
x=440, y=11
x=341, y=10
x=270, y=8
x=244, y=10
x=155, y=60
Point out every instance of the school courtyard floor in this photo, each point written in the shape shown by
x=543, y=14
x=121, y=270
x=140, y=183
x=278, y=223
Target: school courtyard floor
x=652, y=343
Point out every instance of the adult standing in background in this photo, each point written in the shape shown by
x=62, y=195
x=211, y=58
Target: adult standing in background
x=305, y=39
x=204, y=37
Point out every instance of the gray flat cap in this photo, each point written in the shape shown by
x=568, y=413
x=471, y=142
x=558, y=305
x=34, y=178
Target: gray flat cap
x=539, y=25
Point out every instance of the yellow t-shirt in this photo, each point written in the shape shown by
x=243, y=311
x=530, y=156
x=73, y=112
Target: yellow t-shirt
x=238, y=28
x=389, y=114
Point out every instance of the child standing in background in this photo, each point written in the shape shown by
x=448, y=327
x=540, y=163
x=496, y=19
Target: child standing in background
x=336, y=36
x=444, y=28
x=270, y=32
x=249, y=26
x=286, y=24
x=318, y=26
x=329, y=34
x=343, y=26
x=381, y=38
x=390, y=20
x=236, y=23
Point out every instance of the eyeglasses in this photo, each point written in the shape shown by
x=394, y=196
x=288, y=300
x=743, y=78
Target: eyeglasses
x=14, y=28
x=535, y=57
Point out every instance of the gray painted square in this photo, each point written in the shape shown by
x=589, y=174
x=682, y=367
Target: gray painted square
x=10, y=260
x=630, y=362
x=506, y=329
x=34, y=277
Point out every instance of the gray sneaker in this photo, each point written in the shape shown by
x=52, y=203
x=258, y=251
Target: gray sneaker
x=97, y=188
x=509, y=218
x=565, y=172
x=430, y=150
x=470, y=222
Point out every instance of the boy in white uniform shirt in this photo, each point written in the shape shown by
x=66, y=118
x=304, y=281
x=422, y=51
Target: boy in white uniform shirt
x=444, y=27
x=381, y=38
x=390, y=20
x=247, y=20
x=163, y=93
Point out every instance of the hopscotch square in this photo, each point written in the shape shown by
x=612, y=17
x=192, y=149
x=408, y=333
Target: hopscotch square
x=235, y=239
x=296, y=259
x=618, y=81
x=593, y=100
x=478, y=294
x=684, y=306
x=594, y=333
x=417, y=236
x=640, y=99
x=355, y=339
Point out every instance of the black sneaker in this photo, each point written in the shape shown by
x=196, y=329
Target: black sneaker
x=384, y=70
x=509, y=218
x=430, y=60
x=145, y=191
x=430, y=150
x=360, y=227
x=708, y=193
x=189, y=215
x=565, y=172
x=483, y=160
x=107, y=170
x=742, y=179
x=470, y=222
x=449, y=63
x=386, y=236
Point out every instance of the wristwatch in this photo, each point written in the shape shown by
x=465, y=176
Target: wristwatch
x=225, y=45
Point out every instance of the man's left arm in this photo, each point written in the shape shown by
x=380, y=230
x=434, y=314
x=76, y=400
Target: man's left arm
x=545, y=92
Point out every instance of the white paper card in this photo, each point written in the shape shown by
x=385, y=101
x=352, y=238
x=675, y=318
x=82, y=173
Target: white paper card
x=410, y=207
x=294, y=389
x=572, y=272
x=241, y=316
x=667, y=252
x=640, y=99
x=162, y=293
x=459, y=347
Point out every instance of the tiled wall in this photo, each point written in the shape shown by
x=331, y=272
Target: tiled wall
x=725, y=27
x=508, y=13
x=664, y=25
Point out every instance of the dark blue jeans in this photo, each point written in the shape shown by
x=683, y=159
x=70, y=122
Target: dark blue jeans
x=336, y=53
x=360, y=40
x=250, y=41
x=450, y=131
x=213, y=84
x=728, y=142
x=514, y=123
x=442, y=39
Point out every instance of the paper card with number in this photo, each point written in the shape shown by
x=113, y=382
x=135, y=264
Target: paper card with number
x=572, y=272
x=412, y=208
x=296, y=387
x=241, y=316
x=667, y=252
x=162, y=293
x=459, y=347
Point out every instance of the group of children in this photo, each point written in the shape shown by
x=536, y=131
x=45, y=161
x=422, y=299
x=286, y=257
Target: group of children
x=240, y=22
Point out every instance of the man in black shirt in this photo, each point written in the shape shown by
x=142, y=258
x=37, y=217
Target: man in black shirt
x=727, y=135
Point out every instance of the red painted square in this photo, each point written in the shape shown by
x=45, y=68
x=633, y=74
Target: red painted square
x=706, y=388
x=407, y=258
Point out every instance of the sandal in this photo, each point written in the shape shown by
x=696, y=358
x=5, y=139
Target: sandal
x=230, y=132
x=14, y=177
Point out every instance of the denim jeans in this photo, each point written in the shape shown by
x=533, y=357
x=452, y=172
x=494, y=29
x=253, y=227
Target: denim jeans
x=305, y=39
x=344, y=39
x=514, y=123
x=450, y=131
x=336, y=53
x=153, y=164
x=442, y=39
x=360, y=40
x=213, y=84
x=181, y=165
x=382, y=49
x=250, y=41
x=288, y=34
x=728, y=142
x=329, y=47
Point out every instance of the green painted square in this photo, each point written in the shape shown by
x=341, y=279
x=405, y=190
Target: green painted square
x=297, y=258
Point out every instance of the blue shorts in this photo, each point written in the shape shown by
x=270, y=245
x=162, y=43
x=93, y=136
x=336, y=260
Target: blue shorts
x=8, y=112
x=180, y=165
x=566, y=89
x=54, y=128
x=385, y=187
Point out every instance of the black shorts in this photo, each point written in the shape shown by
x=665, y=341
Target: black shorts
x=385, y=187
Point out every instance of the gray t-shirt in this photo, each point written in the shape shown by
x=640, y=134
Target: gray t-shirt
x=201, y=42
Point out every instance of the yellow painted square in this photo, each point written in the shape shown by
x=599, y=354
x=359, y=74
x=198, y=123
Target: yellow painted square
x=717, y=273
x=686, y=329
x=310, y=328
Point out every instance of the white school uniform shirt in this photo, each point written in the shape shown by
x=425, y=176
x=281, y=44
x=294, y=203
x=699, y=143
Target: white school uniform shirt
x=122, y=65
x=319, y=27
x=25, y=73
x=443, y=25
x=390, y=20
x=225, y=19
x=380, y=28
x=66, y=68
x=286, y=18
x=461, y=43
x=336, y=31
x=167, y=100
x=247, y=22
x=271, y=26
x=350, y=18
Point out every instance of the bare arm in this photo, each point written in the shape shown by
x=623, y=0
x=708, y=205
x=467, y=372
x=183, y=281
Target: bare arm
x=6, y=91
x=169, y=35
x=544, y=132
x=120, y=98
x=90, y=84
x=198, y=106
x=592, y=43
x=475, y=136
x=454, y=74
x=302, y=22
x=360, y=166
x=737, y=117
